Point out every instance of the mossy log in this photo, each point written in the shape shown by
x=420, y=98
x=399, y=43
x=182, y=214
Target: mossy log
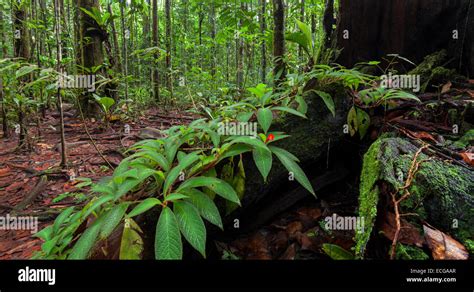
x=441, y=194
x=311, y=139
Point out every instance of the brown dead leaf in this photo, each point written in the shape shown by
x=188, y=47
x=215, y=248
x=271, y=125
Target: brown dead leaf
x=443, y=246
x=290, y=253
x=422, y=135
x=293, y=227
x=4, y=171
x=446, y=87
x=304, y=241
x=409, y=234
x=14, y=187
x=468, y=158
x=471, y=93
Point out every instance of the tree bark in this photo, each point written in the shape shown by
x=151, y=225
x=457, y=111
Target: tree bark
x=90, y=52
x=279, y=71
x=3, y=39
x=411, y=28
x=156, y=75
x=263, y=28
x=169, y=69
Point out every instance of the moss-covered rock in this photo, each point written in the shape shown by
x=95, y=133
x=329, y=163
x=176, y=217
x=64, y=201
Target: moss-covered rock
x=441, y=193
x=432, y=70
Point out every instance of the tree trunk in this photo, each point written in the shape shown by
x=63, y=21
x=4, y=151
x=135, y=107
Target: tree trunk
x=328, y=22
x=169, y=69
x=156, y=75
x=239, y=55
x=411, y=28
x=263, y=28
x=279, y=71
x=90, y=52
x=3, y=39
x=21, y=49
x=59, y=54
x=116, y=53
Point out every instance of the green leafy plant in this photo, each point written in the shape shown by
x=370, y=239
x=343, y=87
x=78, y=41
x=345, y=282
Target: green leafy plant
x=181, y=184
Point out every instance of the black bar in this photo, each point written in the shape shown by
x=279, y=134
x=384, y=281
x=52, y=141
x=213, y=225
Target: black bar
x=240, y=274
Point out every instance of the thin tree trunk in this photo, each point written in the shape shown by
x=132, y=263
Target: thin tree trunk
x=90, y=52
x=328, y=22
x=59, y=54
x=212, y=18
x=239, y=55
x=169, y=77
x=124, y=47
x=115, y=40
x=156, y=75
x=263, y=28
x=2, y=93
x=279, y=71
x=21, y=49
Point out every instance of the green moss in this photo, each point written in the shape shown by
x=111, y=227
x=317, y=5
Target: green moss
x=406, y=252
x=442, y=194
x=466, y=140
x=369, y=195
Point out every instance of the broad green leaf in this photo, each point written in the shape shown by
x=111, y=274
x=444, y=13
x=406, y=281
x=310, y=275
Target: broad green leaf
x=191, y=225
x=248, y=140
x=363, y=120
x=144, y=206
x=25, y=70
x=168, y=245
x=265, y=117
x=62, y=218
x=174, y=197
x=336, y=252
x=284, y=152
x=302, y=105
x=263, y=160
x=352, y=121
x=244, y=117
x=81, y=249
x=219, y=186
x=289, y=110
x=235, y=150
x=174, y=173
x=328, y=101
x=205, y=206
x=306, y=31
x=293, y=167
x=238, y=183
x=131, y=246
x=112, y=218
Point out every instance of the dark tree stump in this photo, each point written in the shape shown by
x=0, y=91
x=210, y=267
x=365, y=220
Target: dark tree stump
x=410, y=28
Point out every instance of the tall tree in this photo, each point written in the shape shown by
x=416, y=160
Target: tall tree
x=90, y=53
x=125, y=35
x=156, y=74
x=328, y=22
x=3, y=44
x=239, y=54
x=118, y=61
x=279, y=71
x=169, y=39
x=21, y=49
x=263, y=28
x=59, y=54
